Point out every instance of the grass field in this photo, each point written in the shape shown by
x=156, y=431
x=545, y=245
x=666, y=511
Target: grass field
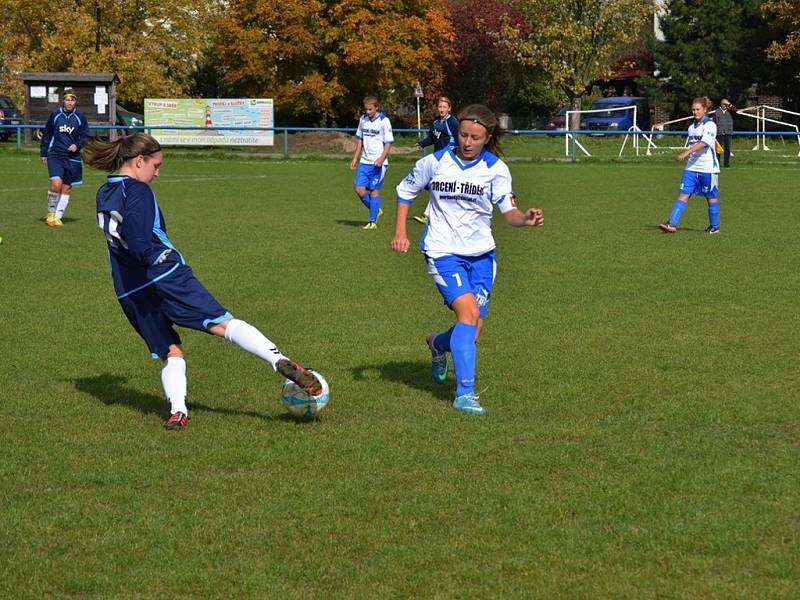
x=642, y=440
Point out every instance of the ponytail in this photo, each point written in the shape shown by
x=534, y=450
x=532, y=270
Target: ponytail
x=110, y=156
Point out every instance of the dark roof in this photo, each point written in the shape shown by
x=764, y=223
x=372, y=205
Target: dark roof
x=70, y=77
x=629, y=74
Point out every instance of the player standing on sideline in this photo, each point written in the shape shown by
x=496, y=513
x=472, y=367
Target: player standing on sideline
x=65, y=132
x=370, y=160
x=701, y=175
x=443, y=133
x=465, y=184
x=723, y=116
x=153, y=283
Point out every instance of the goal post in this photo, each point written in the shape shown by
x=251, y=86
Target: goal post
x=571, y=135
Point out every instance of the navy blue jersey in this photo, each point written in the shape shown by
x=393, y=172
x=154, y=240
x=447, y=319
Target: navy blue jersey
x=443, y=133
x=61, y=131
x=138, y=247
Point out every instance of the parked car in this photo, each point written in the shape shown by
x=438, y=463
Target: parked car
x=558, y=122
x=129, y=120
x=126, y=120
x=617, y=120
x=9, y=115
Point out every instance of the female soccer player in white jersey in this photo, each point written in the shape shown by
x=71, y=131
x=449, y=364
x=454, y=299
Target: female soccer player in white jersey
x=464, y=184
x=701, y=175
x=153, y=283
x=370, y=158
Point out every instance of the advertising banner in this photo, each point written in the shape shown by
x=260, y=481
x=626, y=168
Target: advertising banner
x=207, y=113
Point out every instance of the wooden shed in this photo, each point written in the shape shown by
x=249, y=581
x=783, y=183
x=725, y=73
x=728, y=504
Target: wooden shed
x=96, y=93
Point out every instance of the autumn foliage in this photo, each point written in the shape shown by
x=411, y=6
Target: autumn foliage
x=787, y=14
x=321, y=58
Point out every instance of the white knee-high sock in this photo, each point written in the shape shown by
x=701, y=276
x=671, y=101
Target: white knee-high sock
x=173, y=380
x=253, y=341
x=52, y=201
x=63, y=200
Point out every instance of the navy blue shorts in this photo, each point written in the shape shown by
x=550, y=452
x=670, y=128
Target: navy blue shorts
x=68, y=170
x=177, y=299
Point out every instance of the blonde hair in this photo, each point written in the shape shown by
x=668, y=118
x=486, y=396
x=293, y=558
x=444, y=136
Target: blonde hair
x=110, y=156
x=478, y=113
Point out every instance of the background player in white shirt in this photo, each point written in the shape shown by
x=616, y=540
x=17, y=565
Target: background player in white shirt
x=370, y=160
x=701, y=175
x=464, y=184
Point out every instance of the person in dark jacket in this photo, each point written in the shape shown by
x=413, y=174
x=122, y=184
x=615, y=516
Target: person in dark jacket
x=65, y=133
x=724, y=118
x=443, y=133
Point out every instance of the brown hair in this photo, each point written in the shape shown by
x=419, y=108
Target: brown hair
x=478, y=113
x=445, y=99
x=372, y=100
x=703, y=101
x=110, y=156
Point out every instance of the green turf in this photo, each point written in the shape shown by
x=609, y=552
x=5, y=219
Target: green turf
x=642, y=440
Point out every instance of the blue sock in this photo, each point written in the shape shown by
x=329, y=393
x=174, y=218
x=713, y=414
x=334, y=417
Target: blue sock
x=677, y=211
x=441, y=341
x=713, y=214
x=365, y=199
x=374, y=207
x=462, y=343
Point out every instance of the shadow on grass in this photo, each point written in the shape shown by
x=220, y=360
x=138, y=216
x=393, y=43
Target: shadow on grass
x=657, y=228
x=411, y=373
x=64, y=220
x=349, y=223
x=112, y=390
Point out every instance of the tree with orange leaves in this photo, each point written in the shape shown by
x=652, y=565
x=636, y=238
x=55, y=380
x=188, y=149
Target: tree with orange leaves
x=319, y=59
x=787, y=15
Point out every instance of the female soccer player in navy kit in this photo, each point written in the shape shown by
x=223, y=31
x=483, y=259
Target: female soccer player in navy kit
x=465, y=184
x=701, y=176
x=442, y=134
x=65, y=133
x=153, y=283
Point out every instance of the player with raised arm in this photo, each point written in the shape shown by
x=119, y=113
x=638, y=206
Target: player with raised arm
x=153, y=283
x=701, y=175
x=465, y=184
x=370, y=159
x=65, y=133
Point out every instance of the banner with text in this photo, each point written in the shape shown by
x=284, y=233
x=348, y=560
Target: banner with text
x=206, y=114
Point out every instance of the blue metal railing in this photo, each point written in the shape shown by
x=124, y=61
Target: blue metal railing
x=572, y=133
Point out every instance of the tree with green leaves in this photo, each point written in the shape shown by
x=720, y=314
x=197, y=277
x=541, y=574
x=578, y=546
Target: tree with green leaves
x=714, y=48
x=154, y=47
x=577, y=42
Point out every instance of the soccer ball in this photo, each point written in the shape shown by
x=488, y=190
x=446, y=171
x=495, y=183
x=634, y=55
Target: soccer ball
x=301, y=404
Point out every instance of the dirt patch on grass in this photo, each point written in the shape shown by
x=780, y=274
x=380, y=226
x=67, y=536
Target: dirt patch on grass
x=326, y=142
